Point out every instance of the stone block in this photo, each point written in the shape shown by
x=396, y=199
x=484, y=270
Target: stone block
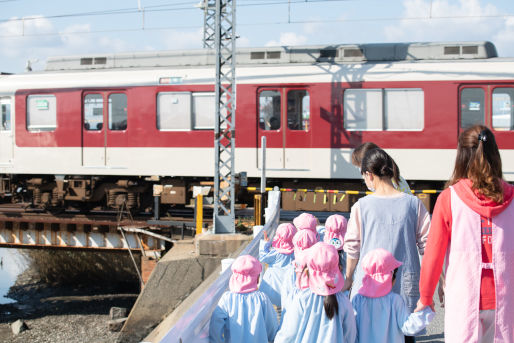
x=221, y=245
x=115, y=325
x=18, y=326
x=117, y=312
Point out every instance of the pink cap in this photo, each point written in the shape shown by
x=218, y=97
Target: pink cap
x=283, y=239
x=245, y=274
x=305, y=221
x=325, y=278
x=378, y=266
x=335, y=229
x=302, y=241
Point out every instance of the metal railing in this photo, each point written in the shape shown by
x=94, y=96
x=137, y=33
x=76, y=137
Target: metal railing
x=193, y=327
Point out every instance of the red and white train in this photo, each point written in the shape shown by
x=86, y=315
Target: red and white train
x=100, y=130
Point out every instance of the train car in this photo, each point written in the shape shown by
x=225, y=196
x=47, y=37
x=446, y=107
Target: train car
x=104, y=130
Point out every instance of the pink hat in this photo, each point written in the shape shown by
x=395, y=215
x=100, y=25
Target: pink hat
x=305, y=221
x=245, y=274
x=283, y=239
x=302, y=241
x=325, y=278
x=335, y=227
x=378, y=266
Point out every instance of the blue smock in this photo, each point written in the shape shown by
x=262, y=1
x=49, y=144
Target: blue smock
x=387, y=319
x=321, y=232
x=306, y=321
x=391, y=223
x=273, y=279
x=243, y=317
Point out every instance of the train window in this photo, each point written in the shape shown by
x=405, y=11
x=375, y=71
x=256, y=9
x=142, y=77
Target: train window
x=41, y=112
x=472, y=107
x=363, y=109
x=174, y=111
x=503, y=116
x=93, y=112
x=5, y=112
x=203, y=111
x=298, y=110
x=269, y=110
x=118, y=111
x=403, y=109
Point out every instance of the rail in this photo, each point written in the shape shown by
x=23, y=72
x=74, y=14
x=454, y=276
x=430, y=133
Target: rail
x=193, y=327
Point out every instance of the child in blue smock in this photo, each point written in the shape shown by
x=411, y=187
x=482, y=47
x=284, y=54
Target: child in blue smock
x=244, y=314
x=321, y=313
x=335, y=229
x=306, y=221
x=382, y=316
x=294, y=278
x=278, y=255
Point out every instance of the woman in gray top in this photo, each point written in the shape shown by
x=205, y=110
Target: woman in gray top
x=387, y=219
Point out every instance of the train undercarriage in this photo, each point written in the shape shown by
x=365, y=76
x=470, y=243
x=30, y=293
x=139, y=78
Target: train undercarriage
x=138, y=194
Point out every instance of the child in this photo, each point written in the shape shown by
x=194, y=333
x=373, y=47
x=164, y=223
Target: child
x=278, y=258
x=321, y=313
x=244, y=314
x=358, y=155
x=380, y=313
x=335, y=229
x=306, y=221
x=294, y=280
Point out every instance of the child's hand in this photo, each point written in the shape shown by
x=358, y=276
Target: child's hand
x=266, y=238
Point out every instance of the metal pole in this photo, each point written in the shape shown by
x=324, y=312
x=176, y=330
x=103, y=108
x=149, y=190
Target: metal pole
x=224, y=129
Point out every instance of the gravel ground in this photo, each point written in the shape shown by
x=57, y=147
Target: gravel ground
x=60, y=314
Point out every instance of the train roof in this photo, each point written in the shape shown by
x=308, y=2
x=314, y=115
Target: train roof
x=341, y=53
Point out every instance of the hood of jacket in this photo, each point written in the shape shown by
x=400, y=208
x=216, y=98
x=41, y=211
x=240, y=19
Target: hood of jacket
x=481, y=204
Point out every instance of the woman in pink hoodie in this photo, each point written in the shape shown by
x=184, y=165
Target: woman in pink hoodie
x=473, y=227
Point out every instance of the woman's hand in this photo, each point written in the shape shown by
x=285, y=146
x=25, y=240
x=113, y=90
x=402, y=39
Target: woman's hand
x=420, y=306
x=440, y=290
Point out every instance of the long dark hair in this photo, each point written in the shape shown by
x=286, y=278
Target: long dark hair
x=331, y=306
x=478, y=159
x=378, y=162
x=360, y=151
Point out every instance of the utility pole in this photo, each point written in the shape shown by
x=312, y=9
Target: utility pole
x=224, y=14
x=209, y=23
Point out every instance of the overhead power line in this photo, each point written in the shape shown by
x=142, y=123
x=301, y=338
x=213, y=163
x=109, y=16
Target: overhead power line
x=285, y=22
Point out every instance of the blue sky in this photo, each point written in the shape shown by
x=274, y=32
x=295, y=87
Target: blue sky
x=34, y=29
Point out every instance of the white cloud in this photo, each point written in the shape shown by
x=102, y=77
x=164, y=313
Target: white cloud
x=288, y=38
x=178, y=40
x=38, y=38
x=504, y=39
x=421, y=28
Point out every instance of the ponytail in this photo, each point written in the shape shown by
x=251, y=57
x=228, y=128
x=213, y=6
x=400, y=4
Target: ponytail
x=379, y=163
x=331, y=306
x=478, y=159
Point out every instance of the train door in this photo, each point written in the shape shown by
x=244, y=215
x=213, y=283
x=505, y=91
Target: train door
x=284, y=119
x=6, y=136
x=104, y=128
x=297, y=147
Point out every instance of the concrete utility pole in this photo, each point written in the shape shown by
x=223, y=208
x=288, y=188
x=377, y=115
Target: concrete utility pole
x=223, y=28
